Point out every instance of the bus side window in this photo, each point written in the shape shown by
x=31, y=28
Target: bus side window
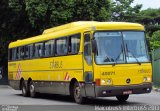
x=14, y=54
x=52, y=47
x=61, y=46
x=74, y=44
x=49, y=48
x=46, y=49
x=21, y=49
x=87, y=49
x=26, y=48
x=38, y=49
x=69, y=45
x=41, y=49
x=17, y=53
x=31, y=50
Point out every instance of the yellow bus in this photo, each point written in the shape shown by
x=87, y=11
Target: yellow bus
x=83, y=59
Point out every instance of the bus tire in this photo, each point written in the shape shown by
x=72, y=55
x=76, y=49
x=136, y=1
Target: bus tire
x=25, y=91
x=122, y=98
x=77, y=94
x=32, y=92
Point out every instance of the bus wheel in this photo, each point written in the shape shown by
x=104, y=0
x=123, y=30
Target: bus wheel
x=77, y=94
x=32, y=92
x=25, y=92
x=122, y=98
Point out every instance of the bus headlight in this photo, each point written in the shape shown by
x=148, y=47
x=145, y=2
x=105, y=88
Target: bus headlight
x=147, y=79
x=106, y=81
x=103, y=82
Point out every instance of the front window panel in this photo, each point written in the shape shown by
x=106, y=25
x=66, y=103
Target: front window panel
x=109, y=48
x=121, y=47
x=135, y=47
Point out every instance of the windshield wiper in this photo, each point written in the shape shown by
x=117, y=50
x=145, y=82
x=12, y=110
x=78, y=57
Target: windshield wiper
x=108, y=59
x=128, y=51
x=119, y=55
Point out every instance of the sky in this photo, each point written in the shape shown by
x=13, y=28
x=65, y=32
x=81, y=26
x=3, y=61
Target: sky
x=148, y=3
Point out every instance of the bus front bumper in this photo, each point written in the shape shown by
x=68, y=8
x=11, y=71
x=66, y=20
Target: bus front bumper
x=106, y=91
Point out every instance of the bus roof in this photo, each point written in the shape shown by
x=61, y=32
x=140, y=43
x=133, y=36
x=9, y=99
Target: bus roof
x=75, y=27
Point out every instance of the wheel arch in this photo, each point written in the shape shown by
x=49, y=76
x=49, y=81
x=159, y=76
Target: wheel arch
x=71, y=85
x=29, y=80
x=20, y=85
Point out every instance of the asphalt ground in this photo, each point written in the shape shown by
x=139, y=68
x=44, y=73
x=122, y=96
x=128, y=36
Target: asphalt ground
x=12, y=100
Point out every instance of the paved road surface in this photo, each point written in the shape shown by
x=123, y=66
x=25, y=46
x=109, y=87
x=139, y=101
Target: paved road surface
x=48, y=102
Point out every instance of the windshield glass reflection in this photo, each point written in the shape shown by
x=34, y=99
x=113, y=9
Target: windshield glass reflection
x=120, y=47
x=135, y=47
x=109, y=48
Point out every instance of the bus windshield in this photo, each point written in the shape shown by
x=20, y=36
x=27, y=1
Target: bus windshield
x=121, y=47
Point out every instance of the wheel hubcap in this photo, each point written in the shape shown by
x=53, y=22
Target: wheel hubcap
x=32, y=88
x=23, y=90
x=77, y=92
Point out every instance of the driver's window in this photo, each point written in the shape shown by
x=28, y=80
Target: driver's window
x=87, y=49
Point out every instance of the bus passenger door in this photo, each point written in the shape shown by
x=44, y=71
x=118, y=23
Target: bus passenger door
x=88, y=68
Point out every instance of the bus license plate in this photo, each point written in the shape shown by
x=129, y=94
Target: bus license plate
x=127, y=92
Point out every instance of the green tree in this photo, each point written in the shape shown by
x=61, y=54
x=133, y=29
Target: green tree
x=20, y=19
x=150, y=16
x=4, y=35
x=155, y=40
x=43, y=14
x=91, y=10
x=123, y=11
x=48, y=13
x=151, y=19
x=3, y=30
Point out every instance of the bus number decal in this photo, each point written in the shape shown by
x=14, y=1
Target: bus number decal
x=108, y=73
x=144, y=71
